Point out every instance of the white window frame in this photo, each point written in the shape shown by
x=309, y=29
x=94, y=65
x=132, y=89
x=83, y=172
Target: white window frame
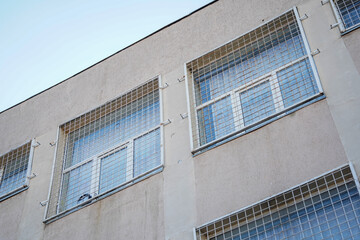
x=28, y=176
x=219, y=219
x=235, y=96
x=95, y=168
x=96, y=165
x=339, y=19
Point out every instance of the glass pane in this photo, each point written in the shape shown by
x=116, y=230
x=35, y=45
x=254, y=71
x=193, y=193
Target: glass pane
x=147, y=152
x=76, y=186
x=333, y=216
x=297, y=83
x=349, y=12
x=13, y=173
x=215, y=120
x=113, y=170
x=113, y=128
x=257, y=103
x=259, y=57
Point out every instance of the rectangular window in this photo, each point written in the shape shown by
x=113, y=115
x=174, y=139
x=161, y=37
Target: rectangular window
x=253, y=78
x=107, y=148
x=14, y=170
x=347, y=13
x=325, y=208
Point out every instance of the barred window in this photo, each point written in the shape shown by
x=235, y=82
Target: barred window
x=253, y=78
x=14, y=170
x=107, y=148
x=347, y=13
x=325, y=208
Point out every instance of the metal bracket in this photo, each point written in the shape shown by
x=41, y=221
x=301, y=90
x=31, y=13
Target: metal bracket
x=165, y=86
x=181, y=79
x=36, y=144
x=332, y=26
x=43, y=203
x=32, y=176
x=52, y=143
x=323, y=2
x=183, y=115
x=166, y=123
x=304, y=17
x=315, y=52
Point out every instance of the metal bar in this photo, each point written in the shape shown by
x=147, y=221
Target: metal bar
x=189, y=106
x=96, y=198
x=274, y=195
x=52, y=174
x=254, y=124
x=356, y=179
x=307, y=47
x=29, y=167
x=13, y=192
x=162, y=135
x=264, y=23
x=337, y=16
x=252, y=83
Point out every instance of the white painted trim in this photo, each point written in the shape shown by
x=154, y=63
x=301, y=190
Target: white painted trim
x=189, y=108
x=308, y=51
x=254, y=124
x=95, y=199
x=52, y=173
x=252, y=83
x=30, y=161
x=162, y=134
x=272, y=196
x=356, y=179
x=337, y=16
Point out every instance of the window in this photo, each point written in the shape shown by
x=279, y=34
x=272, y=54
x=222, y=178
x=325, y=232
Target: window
x=258, y=76
x=347, y=13
x=325, y=208
x=14, y=170
x=107, y=148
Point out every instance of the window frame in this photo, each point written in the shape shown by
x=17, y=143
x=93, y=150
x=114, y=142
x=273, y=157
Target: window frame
x=25, y=186
x=311, y=193
x=339, y=19
x=191, y=100
x=97, y=158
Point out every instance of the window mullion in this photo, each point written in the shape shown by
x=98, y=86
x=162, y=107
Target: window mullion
x=130, y=160
x=237, y=110
x=276, y=93
x=95, y=176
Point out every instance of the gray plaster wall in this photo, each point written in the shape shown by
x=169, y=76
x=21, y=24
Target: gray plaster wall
x=190, y=190
x=283, y=154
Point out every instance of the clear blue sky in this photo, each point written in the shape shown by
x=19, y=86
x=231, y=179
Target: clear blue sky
x=45, y=42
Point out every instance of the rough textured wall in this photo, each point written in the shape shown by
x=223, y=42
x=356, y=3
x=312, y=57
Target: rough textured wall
x=168, y=205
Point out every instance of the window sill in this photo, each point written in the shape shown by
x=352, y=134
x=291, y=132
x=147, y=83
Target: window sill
x=346, y=31
x=257, y=125
x=99, y=197
x=13, y=193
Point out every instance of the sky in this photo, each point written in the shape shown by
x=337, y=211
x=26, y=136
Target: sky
x=43, y=42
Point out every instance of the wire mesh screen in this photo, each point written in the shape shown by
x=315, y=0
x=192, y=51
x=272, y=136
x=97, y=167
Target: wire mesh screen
x=13, y=169
x=325, y=208
x=349, y=12
x=255, y=76
x=107, y=148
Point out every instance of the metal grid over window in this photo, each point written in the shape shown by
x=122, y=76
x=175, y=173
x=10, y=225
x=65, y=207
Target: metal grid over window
x=107, y=148
x=14, y=167
x=327, y=207
x=349, y=13
x=259, y=75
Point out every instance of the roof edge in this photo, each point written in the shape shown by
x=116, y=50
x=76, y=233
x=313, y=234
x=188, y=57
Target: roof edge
x=151, y=34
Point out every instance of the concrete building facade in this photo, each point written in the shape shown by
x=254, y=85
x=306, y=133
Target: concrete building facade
x=238, y=121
